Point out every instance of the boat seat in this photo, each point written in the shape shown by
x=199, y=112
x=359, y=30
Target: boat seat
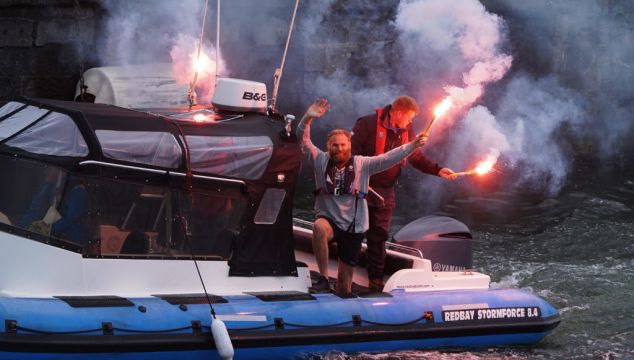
x=136, y=242
x=113, y=240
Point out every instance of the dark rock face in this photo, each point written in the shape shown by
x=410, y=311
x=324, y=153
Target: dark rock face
x=44, y=45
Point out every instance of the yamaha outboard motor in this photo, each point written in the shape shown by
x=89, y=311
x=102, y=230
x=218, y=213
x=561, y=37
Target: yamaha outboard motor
x=443, y=240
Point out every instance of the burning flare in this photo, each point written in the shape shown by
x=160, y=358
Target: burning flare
x=203, y=64
x=483, y=167
x=191, y=68
x=200, y=118
x=442, y=108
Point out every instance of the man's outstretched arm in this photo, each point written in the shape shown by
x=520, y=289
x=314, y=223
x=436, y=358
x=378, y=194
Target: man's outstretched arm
x=385, y=161
x=316, y=110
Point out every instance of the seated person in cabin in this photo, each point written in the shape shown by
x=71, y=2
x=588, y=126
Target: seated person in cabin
x=342, y=182
x=63, y=218
x=210, y=221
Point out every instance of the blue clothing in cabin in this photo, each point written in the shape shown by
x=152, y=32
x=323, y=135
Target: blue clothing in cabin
x=73, y=209
x=72, y=225
x=39, y=205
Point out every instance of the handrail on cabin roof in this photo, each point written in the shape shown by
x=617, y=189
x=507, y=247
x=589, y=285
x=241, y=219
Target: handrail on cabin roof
x=162, y=172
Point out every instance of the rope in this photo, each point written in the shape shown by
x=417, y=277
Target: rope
x=217, y=38
x=44, y=332
x=278, y=75
x=182, y=222
x=249, y=329
x=56, y=332
x=288, y=38
x=425, y=316
x=321, y=325
x=80, y=54
x=153, y=331
x=192, y=85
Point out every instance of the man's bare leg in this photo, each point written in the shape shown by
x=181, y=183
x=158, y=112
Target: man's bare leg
x=322, y=234
x=344, y=278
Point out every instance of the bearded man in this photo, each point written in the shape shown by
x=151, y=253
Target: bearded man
x=341, y=182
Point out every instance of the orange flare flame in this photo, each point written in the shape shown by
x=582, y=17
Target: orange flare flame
x=202, y=64
x=200, y=118
x=485, y=166
x=442, y=108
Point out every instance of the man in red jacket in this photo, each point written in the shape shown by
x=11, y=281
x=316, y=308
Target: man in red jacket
x=376, y=134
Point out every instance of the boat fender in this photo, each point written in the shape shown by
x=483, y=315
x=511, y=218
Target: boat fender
x=221, y=339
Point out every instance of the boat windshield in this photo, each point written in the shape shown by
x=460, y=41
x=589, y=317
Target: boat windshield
x=242, y=157
x=40, y=131
x=113, y=218
x=142, y=147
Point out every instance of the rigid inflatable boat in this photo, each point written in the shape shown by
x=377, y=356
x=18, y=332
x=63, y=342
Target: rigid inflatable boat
x=132, y=234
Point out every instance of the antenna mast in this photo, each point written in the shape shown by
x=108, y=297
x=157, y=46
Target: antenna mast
x=192, y=86
x=278, y=72
x=217, y=39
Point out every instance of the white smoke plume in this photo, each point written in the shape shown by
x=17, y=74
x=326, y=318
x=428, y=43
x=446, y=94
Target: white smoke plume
x=455, y=50
x=463, y=35
x=348, y=47
x=573, y=95
x=430, y=50
x=533, y=113
x=492, y=141
x=143, y=32
x=187, y=66
x=589, y=47
x=568, y=83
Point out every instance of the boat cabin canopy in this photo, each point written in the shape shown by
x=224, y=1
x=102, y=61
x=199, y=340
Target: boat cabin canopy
x=112, y=182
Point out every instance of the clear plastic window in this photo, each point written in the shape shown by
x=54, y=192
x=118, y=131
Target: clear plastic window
x=56, y=134
x=141, y=220
x=239, y=157
x=98, y=216
x=270, y=206
x=45, y=201
x=142, y=147
x=19, y=120
x=10, y=107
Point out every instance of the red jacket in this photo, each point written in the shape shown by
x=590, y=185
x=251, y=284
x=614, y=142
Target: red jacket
x=364, y=143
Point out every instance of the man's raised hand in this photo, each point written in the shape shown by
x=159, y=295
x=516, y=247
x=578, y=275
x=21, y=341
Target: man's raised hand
x=317, y=109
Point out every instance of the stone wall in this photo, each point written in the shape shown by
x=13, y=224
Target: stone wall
x=44, y=45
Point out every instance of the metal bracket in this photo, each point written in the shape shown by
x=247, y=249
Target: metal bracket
x=11, y=326
x=107, y=329
x=279, y=323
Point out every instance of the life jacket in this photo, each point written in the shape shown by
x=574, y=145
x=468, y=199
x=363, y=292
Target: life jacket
x=381, y=132
x=329, y=178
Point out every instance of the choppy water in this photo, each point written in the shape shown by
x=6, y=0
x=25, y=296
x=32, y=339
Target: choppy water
x=575, y=250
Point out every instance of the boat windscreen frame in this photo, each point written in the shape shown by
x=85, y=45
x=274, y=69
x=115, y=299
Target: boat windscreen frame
x=162, y=172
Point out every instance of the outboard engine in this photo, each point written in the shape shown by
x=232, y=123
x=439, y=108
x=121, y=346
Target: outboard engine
x=443, y=240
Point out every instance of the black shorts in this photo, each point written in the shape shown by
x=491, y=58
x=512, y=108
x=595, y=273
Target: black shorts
x=348, y=244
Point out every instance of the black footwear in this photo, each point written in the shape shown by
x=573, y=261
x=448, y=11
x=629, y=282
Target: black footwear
x=375, y=285
x=321, y=286
x=346, y=295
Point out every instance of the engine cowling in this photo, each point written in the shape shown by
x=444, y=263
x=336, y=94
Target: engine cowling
x=445, y=241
